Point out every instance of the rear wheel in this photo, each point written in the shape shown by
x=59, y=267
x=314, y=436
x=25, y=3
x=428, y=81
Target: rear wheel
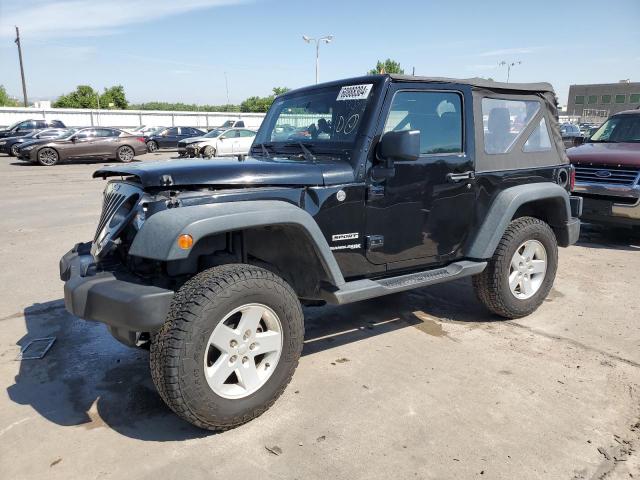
x=229, y=346
x=208, y=152
x=521, y=272
x=48, y=157
x=152, y=146
x=125, y=154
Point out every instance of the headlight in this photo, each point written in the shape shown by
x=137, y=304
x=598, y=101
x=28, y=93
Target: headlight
x=2, y=142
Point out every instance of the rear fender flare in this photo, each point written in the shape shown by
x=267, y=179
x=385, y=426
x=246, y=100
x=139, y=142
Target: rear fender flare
x=504, y=208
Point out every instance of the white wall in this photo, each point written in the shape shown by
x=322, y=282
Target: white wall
x=77, y=117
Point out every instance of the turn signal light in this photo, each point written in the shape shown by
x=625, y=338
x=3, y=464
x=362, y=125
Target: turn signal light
x=185, y=242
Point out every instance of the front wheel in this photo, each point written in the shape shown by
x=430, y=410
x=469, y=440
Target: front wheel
x=521, y=272
x=208, y=152
x=48, y=157
x=125, y=154
x=229, y=346
x=13, y=151
x=152, y=146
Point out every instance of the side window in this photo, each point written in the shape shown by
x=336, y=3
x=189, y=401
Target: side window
x=239, y=123
x=41, y=124
x=539, y=140
x=437, y=115
x=173, y=131
x=85, y=133
x=504, y=121
x=247, y=133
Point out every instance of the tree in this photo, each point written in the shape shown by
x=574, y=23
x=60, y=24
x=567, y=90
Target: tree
x=261, y=104
x=114, y=95
x=83, y=97
x=6, y=100
x=388, y=66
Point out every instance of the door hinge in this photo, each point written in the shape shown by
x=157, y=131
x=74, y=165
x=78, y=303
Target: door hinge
x=374, y=241
x=375, y=191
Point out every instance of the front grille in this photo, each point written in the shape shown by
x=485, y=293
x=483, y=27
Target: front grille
x=623, y=176
x=112, y=201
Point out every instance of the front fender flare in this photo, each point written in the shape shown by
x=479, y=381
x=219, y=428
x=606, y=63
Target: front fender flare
x=157, y=238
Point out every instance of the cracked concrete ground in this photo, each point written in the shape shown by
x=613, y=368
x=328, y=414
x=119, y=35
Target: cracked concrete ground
x=424, y=384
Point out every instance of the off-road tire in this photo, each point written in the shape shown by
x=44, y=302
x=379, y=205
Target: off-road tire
x=492, y=285
x=152, y=146
x=177, y=349
x=208, y=151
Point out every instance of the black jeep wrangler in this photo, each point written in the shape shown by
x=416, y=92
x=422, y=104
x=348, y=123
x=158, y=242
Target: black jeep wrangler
x=353, y=189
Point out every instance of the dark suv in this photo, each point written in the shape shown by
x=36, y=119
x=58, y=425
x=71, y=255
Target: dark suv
x=608, y=171
x=402, y=182
x=24, y=127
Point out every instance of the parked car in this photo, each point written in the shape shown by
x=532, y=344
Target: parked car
x=86, y=143
x=571, y=135
x=24, y=127
x=608, y=171
x=145, y=130
x=232, y=124
x=169, y=137
x=218, y=143
x=10, y=145
x=211, y=262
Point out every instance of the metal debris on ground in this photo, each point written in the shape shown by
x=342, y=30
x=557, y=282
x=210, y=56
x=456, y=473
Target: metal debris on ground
x=275, y=450
x=36, y=348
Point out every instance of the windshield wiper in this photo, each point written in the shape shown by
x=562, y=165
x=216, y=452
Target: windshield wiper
x=263, y=148
x=306, y=153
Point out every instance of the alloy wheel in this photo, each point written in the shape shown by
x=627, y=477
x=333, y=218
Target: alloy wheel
x=527, y=269
x=125, y=154
x=48, y=156
x=243, y=351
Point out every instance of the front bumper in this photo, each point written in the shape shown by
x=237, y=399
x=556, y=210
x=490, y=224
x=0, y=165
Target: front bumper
x=610, y=204
x=117, y=299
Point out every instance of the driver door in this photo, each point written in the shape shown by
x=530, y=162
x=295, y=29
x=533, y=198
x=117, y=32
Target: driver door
x=422, y=212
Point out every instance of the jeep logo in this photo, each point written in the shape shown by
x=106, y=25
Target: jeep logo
x=603, y=173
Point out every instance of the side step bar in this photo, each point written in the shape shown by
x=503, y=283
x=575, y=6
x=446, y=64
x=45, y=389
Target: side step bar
x=364, y=289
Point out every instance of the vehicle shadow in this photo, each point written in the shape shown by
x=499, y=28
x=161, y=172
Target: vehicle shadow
x=89, y=380
x=611, y=238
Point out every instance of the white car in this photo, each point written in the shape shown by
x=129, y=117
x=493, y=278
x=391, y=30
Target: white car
x=218, y=143
x=144, y=130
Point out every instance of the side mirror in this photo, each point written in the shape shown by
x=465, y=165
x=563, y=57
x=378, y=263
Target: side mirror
x=579, y=141
x=73, y=139
x=403, y=145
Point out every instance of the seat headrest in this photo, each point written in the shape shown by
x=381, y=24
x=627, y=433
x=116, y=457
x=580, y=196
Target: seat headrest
x=499, y=120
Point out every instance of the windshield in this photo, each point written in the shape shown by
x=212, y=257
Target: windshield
x=623, y=128
x=329, y=116
x=213, y=133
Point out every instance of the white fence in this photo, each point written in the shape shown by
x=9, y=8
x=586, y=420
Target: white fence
x=78, y=117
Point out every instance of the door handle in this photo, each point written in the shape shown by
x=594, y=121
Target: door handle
x=459, y=177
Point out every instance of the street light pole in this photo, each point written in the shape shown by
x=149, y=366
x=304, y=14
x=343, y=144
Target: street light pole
x=509, y=65
x=325, y=39
x=24, y=84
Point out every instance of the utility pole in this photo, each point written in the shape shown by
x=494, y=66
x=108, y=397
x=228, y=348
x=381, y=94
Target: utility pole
x=24, y=85
x=226, y=82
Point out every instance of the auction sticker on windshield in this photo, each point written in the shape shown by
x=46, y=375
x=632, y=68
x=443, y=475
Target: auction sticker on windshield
x=354, y=92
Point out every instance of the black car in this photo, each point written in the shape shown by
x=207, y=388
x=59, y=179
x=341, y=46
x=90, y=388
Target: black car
x=25, y=127
x=169, y=137
x=10, y=145
x=397, y=185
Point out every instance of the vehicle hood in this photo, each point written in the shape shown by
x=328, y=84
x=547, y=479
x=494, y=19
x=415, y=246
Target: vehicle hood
x=195, y=140
x=35, y=141
x=232, y=172
x=611, y=154
x=4, y=133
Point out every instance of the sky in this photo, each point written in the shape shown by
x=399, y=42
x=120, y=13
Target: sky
x=180, y=51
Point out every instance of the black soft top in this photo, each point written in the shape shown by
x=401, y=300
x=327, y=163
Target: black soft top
x=478, y=82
